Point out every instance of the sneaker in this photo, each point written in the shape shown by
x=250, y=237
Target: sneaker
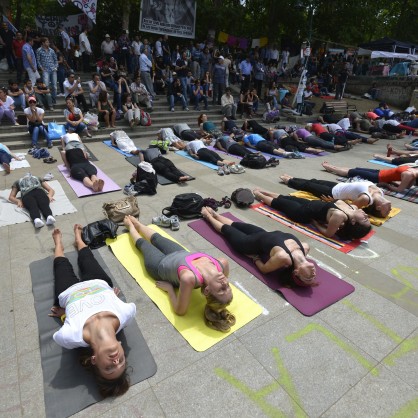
x=52, y=109
x=50, y=220
x=289, y=155
x=120, y=111
x=50, y=145
x=175, y=223
x=236, y=170
x=221, y=171
x=88, y=134
x=130, y=190
x=186, y=109
x=38, y=223
x=226, y=169
x=172, y=148
x=172, y=109
x=48, y=176
x=162, y=220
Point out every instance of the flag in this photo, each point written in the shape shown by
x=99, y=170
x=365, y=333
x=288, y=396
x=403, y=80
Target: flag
x=88, y=7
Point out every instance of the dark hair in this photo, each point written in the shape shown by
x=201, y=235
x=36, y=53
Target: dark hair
x=200, y=119
x=94, y=75
x=103, y=96
x=373, y=211
x=351, y=231
x=125, y=97
x=107, y=387
x=39, y=80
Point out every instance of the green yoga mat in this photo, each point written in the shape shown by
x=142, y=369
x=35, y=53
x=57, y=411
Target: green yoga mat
x=68, y=388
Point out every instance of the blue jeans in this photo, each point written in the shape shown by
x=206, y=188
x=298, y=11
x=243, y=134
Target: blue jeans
x=50, y=77
x=35, y=131
x=19, y=101
x=183, y=81
x=172, y=100
x=77, y=129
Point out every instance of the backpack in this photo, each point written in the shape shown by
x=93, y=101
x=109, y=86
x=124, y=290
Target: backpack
x=146, y=179
x=145, y=118
x=243, y=198
x=186, y=206
x=253, y=161
x=272, y=116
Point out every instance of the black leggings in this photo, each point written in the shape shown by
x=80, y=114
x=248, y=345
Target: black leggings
x=266, y=146
x=189, y=135
x=37, y=202
x=256, y=127
x=404, y=160
x=208, y=155
x=290, y=144
x=90, y=269
x=81, y=170
x=166, y=168
x=336, y=139
x=237, y=149
x=317, y=187
x=244, y=238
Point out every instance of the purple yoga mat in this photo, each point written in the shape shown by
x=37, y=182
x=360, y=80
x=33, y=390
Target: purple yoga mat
x=307, y=300
x=81, y=190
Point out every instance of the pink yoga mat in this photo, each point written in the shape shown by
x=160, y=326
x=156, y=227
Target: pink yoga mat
x=81, y=190
x=307, y=300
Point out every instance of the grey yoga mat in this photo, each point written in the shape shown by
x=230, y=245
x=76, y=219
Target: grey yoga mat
x=68, y=388
x=163, y=181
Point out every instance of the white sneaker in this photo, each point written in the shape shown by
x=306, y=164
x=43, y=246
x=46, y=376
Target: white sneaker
x=50, y=220
x=38, y=223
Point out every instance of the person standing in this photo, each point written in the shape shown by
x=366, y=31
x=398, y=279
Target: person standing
x=85, y=49
x=29, y=60
x=66, y=44
x=245, y=68
x=48, y=63
x=182, y=68
x=145, y=67
x=18, y=43
x=7, y=36
x=219, y=80
x=108, y=47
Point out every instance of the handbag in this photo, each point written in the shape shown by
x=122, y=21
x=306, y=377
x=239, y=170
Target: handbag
x=118, y=209
x=55, y=131
x=94, y=234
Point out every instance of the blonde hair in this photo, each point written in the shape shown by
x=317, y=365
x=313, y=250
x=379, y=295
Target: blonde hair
x=217, y=316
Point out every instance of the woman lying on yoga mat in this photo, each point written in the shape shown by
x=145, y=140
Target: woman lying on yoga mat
x=397, y=157
x=36, y=195
x=92, y=315
x=198, y=150
x=346, y=221
x=284, y=251
x=406, y=175
x=363, y=194
x=76, y=160
x=173, y=267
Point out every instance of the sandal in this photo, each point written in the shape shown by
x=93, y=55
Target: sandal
x=49, y=160
x=162, y=220
x=226, y=202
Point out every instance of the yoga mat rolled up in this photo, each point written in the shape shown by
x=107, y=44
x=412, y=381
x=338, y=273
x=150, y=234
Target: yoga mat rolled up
x=68, y=388
x=307, y=300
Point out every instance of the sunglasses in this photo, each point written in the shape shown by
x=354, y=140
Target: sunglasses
x=32, y=101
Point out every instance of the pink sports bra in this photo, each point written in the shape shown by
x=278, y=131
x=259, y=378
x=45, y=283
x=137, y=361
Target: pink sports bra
x=198, y=277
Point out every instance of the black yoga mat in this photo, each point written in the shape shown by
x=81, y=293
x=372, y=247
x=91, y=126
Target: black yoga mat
x=68, y=388
x=163, y=181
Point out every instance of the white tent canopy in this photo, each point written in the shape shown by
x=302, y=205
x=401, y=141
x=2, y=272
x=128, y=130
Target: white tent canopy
x=384, y=54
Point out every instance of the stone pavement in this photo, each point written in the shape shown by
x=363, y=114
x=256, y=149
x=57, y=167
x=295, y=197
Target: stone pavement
x=357, y=358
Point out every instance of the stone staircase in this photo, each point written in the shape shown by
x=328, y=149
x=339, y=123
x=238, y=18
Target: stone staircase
x=18, y=138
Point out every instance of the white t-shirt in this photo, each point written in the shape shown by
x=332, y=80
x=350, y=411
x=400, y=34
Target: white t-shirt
x=392, y=122
x=168, y=135
x=344, y=123
x=351, y=191
x=158, y=49
x=83, y=300
x=83, y=38
x=125, y=143
x=71, y=138
x=8, y=102
x=67, y=85
x=195, y=146
x=28, y=112
x=333, y=127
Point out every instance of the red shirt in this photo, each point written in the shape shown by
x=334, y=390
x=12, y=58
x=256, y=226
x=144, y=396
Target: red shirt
x=17, y=47
x=318, y=129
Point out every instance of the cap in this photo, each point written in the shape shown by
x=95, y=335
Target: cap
x=107, y=35
x=31, y=99
x=221, y=57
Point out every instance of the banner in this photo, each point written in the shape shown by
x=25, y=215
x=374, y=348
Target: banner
x=48, y=25
x=89, y=7
x=169, y=17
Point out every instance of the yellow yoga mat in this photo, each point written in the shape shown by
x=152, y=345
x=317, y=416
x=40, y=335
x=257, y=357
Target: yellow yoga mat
x=374, y=220
x=192, y=325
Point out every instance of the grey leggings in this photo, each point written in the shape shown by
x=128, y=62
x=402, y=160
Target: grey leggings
x=155, y=250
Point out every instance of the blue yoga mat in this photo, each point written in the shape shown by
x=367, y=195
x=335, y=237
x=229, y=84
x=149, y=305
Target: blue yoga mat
x=186, y=155
x=108, y=142
x=381, y=163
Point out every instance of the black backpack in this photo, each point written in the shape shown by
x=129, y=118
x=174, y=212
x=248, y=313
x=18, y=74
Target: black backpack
x=242, y=197
x=253, y=161
x=186, y=206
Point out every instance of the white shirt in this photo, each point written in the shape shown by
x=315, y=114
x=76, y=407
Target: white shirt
x=108, y=48
x=158, y=49
x=351, y=191
x=83, y=38
x=9, y=102
x=137, y=47
x=274, y=54
x=168, y=135
x=67, y=85
x=83, y=300
x=195, y=145
x=144, y=63
x=344, y=123
x=71, y=138
x=333, y=127
x=28, y=112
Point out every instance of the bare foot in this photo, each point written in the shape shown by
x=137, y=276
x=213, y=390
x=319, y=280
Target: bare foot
x=57, y=237
x=257, y=194
x=113, y=126
x=372, y=140
x=285, y=178
x=327, y=166
x=127, y=222
x=410, y=147
x=95, y=186
x=78, y=241
x=100, y=185
x=390, y=150
x=135, y=222
x=6, y=168
x=184, y=178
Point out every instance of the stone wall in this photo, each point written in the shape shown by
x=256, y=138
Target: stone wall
x=396, y=91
